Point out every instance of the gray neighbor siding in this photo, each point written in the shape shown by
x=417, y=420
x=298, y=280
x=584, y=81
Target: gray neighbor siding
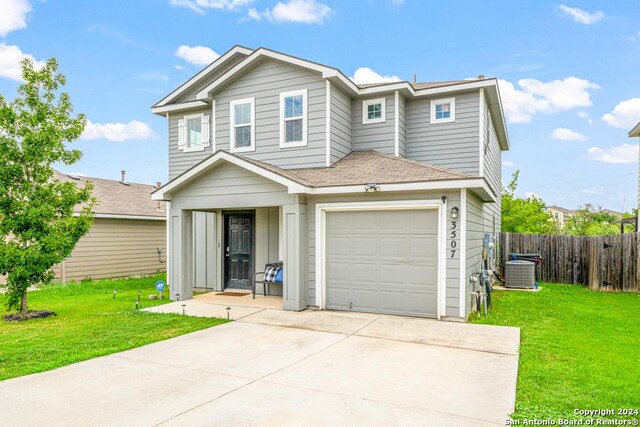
x=374, y=136
x=341, y=124
x=265, y=82
x=451, y=145
x=452, y=264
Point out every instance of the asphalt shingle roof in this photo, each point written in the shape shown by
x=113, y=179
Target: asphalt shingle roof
x=117, y=198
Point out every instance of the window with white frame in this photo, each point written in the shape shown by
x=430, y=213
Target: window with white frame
x=443, y=110
x=193, y=132
x=293, y=118
x=373, y=111
x=242, y=125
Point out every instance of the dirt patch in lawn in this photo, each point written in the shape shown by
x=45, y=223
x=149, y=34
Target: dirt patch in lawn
x=31, y=314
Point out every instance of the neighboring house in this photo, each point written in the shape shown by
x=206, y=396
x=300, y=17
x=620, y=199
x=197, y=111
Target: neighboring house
x=376, y=197
x=635, y=132
x=561, y=215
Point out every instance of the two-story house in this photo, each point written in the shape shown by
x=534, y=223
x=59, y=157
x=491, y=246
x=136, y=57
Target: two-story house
x=375, y=197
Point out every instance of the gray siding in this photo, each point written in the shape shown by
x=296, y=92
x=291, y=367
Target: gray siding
x=452, y=264
x=179, y=161
x=341, y=124
x=475, y=235
x=492, y=155
x=402, y=116
x=374, y=136
x=116, y=248
x=453, y=145
x=229, y=186
x=265, y=82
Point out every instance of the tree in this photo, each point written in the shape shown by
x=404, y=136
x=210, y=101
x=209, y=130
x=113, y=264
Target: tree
x=592, y=221
x=38, y=228
x=526, y=215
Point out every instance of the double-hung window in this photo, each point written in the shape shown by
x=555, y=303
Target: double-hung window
x=193, y=132
x=242, y=125
x=373, y=111
x=293, y=119
x=443, y=110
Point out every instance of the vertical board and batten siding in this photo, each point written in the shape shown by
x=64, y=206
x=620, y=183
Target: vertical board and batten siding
x=117, y=248
x=341, y=124
x=402, y=115
x=453, y=145
x=180, y=161
x=265, y=82
x=452, y=264
x=475, y=235
x=204, y=250
x=223, y=68
x=374, y=136
x=229, y=186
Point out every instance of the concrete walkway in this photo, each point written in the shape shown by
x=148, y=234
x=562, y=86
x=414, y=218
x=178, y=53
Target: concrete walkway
x=283, y=368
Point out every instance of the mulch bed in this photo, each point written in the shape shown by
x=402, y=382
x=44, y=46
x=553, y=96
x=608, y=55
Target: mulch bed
x=31, y=314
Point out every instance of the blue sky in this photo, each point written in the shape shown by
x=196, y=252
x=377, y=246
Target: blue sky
x=570, y=72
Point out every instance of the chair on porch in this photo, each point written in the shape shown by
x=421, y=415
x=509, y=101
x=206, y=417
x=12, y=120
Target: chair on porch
x=269, y=276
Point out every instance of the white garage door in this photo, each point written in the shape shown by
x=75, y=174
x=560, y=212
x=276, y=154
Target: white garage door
x=383, y=261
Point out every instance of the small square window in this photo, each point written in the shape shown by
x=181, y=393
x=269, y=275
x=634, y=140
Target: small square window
x=443, y=110
x=373, y=111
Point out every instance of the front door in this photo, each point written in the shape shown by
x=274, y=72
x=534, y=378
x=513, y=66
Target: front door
x=239, y=246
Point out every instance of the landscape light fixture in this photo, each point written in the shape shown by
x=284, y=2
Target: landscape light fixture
x=454, y=213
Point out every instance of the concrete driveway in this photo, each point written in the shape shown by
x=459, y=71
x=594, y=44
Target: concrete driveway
x=283, y=368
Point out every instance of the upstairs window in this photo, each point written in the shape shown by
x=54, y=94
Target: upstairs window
x=443, y=110
x=193, y=132
x=373, y=111
x=242, y=125
x=293, y=119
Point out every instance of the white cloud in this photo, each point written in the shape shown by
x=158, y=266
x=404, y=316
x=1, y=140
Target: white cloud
x=508, y=163
x=625, y=115
x=532, y=195
x=199, y=6
x=117, y=131
x=367, y=75
x=582, y=16
x=296, y=11
x=197, y=55
x=10, y=57
x=178, y=67
x=620, y=154
x=14, y=15
x=533, y=97
x=583, y=114
x=567, y=135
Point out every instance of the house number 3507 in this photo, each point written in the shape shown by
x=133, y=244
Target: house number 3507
x=453, y=234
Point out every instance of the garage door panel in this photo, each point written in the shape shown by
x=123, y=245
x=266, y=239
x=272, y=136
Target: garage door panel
x=382, y=261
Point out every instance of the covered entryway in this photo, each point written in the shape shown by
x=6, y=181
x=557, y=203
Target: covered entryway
x=382, y=261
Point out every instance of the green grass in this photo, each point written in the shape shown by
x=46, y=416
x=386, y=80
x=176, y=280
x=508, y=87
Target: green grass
x=579, y=349
x=89, y=323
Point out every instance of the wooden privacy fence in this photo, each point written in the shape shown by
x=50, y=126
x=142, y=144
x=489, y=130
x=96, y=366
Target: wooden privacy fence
x=608, y=263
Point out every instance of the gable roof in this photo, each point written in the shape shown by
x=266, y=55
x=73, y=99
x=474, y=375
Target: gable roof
x=119, y=199
x=350, y=174
x=635, y=131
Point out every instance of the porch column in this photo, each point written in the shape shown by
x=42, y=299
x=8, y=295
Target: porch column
x=296, y=286
x=181, y=254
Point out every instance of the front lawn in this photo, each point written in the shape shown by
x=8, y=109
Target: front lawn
x=579, y=349
x=89, y=323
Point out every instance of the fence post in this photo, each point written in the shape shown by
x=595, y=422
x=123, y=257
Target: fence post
x=593, y=260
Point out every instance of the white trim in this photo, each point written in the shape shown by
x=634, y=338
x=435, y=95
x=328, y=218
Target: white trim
x=232, y=126
x=125, y=216
x=161, y=193
x=327, y=112
x=323, y=208
x=203, y=144
x=481, y=133
x=462, y=218
x=442, y=263
x=168, y=242
x=383, y=110
x=410, y=186
x=179, y=107
x=283, y=95
x=212, y=124
x=396, y=123
x=452, y=110
x=194, y=80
